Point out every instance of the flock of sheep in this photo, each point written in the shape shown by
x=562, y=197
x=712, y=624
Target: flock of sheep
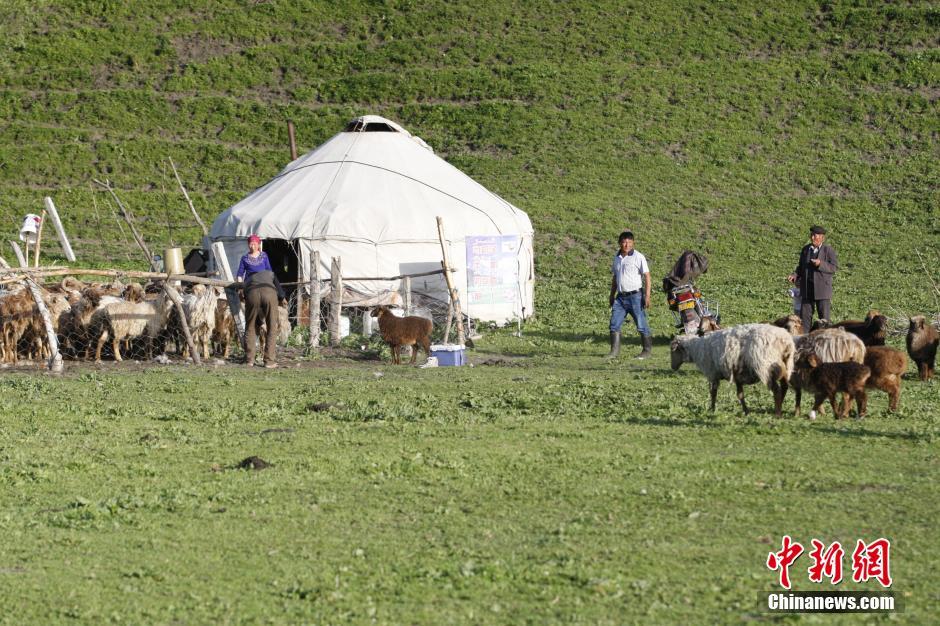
x=846, y=358
x=92, y=319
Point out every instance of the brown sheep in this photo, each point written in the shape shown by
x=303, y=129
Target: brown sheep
x=829, y=345
x=922, y=342
x=790, y=323
x=872, y=331
x=887, y=366
x=224, y=332
x=828, y=379
x=404, y=331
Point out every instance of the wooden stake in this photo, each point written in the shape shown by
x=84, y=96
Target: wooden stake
x=42, y=221
x=234, y=304
x=406, y=294
x=175, y=297
x=336, y=297
x=314, y=312
x=454, y=296
x=205, y=231
x=293, y=141
x=60, y=231
x=19, y=253
x=127, y=218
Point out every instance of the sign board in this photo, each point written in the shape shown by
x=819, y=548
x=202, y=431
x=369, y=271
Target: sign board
x=493, y=269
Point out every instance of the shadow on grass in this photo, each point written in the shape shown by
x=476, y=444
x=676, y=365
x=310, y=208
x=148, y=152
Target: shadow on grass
x=865, y=432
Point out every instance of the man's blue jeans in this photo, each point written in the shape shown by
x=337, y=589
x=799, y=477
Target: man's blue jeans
x=632, y=305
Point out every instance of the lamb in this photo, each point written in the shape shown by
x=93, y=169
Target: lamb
x=16, y=311
x=791, y=323
x=828, y=379
x=124, y=320
x=830, y=345
x=744, y=355
x=872, y=331
x=887, y=366
x=404, y=331
x=922, y=342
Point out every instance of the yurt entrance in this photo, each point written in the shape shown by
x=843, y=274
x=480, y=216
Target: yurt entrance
x=283, y=254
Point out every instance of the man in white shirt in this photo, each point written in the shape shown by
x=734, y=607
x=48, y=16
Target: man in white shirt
x=629, y=294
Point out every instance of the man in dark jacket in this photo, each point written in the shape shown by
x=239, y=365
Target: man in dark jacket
x=813, y=275
x=262, y=292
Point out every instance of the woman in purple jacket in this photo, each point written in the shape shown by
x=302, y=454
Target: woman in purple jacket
x=255, y=261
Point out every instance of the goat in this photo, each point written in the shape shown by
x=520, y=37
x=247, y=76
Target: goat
x=828, y=379
x=200, y=307
x=708, y=324
x=872, y=331
x=404, y=331
x=830, y=345
x=922, y=342
x=887, y=366
x=744, y=355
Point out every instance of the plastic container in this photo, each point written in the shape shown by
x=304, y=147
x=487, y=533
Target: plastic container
x=449, y=355
x=173, y=261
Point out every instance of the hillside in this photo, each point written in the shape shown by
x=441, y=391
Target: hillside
x=727, y=127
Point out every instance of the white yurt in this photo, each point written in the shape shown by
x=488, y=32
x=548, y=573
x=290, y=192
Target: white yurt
x=371, y=195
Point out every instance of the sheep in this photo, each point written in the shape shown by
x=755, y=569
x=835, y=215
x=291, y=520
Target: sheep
x=872, y=331
x=831, y=345
x=124, y=320
x=744, y=355
x=791, y=323
x=887, y=366
x=224, y=332
x=404, y=331
x=16, y=311
x=75, y=327
x=828, y=379
x=922, y=342
x=200, y=307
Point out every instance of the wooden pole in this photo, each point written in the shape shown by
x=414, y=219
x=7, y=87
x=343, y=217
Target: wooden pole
x=336, y=299
x=205, y=231
x=314, y=341
x=454, y=296
x=234, y=304
x=15, y=275
x=450, y=320
x=55, y=359
x=184, y=323
x=42, y=221
x=19, y=253
x=406, y=294
x=127, y=218
x=293, y=141
x=60, y=231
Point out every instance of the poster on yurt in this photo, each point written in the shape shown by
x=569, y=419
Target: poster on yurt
x=493, y=269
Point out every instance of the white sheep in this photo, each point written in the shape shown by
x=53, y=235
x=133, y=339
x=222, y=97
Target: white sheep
x=744, y=355
x=125, y=320
x=200, y=307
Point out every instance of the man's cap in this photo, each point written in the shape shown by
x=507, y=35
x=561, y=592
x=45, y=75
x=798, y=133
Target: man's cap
x=817, y=230
x=627, y=234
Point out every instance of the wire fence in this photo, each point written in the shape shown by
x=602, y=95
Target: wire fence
x=128, y=320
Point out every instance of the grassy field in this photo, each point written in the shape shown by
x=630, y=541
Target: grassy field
x=546, y=486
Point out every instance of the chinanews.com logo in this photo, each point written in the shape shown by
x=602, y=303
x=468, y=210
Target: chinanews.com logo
x=869, y=562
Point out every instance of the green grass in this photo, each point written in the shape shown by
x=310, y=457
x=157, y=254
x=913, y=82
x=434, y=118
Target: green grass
x=558, y=489
x=492, y=494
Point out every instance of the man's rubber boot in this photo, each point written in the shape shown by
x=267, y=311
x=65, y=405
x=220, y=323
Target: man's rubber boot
x=647, y=347
x=614, y=345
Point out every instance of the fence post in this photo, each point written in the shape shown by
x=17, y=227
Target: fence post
x=314, y=311
x=231, y=294
x=406, y=294
x=336, y=297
